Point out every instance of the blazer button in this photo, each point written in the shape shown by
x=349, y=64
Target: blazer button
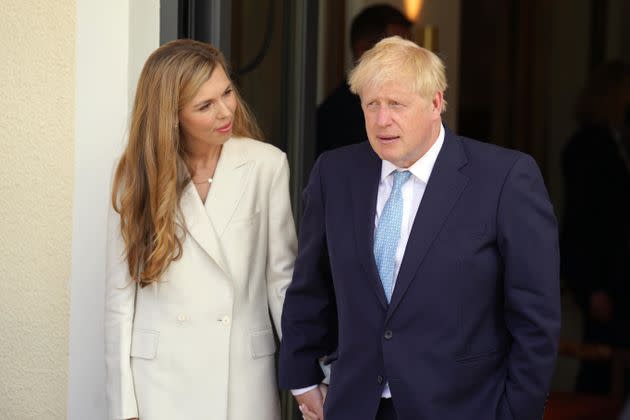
x=388, y=334
x=379, y=379
x=225, y=320
x=181, y=318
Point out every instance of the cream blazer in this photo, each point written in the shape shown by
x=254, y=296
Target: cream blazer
x=199, y=344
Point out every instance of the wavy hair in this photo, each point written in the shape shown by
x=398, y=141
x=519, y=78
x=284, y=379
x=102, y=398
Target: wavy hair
x=153, y=170
x=395, y=58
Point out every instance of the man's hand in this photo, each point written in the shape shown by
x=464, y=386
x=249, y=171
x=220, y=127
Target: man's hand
x=311, y=403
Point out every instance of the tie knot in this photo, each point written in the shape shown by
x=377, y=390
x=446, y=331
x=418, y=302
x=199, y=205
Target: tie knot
x=400, y=177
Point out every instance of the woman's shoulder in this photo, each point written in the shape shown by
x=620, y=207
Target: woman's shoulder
x=257, y=150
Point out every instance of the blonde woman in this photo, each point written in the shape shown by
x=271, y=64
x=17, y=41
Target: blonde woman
x=201, y=246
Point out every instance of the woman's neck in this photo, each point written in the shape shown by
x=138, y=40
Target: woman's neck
x=202, y=161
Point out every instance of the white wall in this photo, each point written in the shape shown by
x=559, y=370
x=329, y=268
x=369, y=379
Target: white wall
x=113, y=40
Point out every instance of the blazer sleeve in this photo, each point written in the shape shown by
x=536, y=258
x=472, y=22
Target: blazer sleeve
x=528, y=241
x=120, y=293
x=281, y=242
x=309, y=309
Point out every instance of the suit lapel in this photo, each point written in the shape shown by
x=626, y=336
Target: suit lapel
x=444, y=188
x=206, y=224
x=366, y=177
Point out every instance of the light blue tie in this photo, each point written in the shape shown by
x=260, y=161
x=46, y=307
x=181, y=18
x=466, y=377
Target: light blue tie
x=388, y=233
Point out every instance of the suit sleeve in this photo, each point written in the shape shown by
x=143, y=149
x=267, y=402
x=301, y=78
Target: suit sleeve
x=281, y=242
x=120, y=294
x=528, y=242
x=309, y=307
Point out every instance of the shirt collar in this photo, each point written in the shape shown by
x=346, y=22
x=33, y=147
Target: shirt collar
x=421, y=168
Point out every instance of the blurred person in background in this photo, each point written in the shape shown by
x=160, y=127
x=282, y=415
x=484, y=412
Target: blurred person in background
x=339, y=118
x=596, y=230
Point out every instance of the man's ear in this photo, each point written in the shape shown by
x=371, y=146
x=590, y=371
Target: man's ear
x=437, y=103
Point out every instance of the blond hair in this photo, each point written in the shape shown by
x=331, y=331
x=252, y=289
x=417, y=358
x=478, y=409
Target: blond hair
x=153, y=170
x=393, y=59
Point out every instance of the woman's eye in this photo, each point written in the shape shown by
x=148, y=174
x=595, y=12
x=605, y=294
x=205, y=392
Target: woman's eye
x=227, y=92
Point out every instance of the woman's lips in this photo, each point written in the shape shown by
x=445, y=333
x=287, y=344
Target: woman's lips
x=227, y=127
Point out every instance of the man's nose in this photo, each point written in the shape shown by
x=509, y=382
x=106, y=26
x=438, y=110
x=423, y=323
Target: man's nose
x=383, y=116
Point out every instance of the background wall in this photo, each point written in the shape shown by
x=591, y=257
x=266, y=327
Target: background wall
x=114, y=39
x=37, y=41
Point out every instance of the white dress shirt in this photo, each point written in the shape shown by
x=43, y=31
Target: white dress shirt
x=412, y=192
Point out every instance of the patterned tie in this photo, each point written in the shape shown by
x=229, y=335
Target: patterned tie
x=388, y=233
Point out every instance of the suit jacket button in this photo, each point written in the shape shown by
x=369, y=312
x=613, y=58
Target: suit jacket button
x=379, y=379
x=388, y=334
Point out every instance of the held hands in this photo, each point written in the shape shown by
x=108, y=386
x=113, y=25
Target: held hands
x=311, y=403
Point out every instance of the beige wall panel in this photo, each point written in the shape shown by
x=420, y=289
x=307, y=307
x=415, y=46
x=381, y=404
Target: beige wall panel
x=37, y=44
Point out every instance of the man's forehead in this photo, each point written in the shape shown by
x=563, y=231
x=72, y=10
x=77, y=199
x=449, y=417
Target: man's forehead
x=387, y=87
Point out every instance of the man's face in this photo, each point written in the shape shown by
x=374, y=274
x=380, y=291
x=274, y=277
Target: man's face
x=401, y=125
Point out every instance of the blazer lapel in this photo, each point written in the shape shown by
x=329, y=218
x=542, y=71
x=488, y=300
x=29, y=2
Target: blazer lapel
x=442, y=192
x=229, y=182
x=199, y=227
x=366, y=177
x=206, y=223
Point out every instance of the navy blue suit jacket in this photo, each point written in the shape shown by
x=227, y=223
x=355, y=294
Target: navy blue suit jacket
x=471, y=331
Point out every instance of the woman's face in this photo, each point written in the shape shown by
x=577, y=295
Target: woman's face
x=207, y=120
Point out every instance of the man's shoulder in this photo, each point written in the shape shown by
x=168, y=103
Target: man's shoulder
x=489, y=155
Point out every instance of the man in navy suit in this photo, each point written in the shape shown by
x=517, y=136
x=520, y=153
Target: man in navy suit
x=444, y=297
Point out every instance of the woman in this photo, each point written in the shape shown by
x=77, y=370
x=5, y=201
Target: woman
x=201, y=246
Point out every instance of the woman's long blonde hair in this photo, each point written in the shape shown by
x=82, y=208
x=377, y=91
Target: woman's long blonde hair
x=153, y=171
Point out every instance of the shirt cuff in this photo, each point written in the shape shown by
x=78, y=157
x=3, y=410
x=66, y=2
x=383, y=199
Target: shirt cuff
x=301, y=391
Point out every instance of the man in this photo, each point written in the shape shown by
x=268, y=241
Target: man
x=444, y=298
x=339, y=118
